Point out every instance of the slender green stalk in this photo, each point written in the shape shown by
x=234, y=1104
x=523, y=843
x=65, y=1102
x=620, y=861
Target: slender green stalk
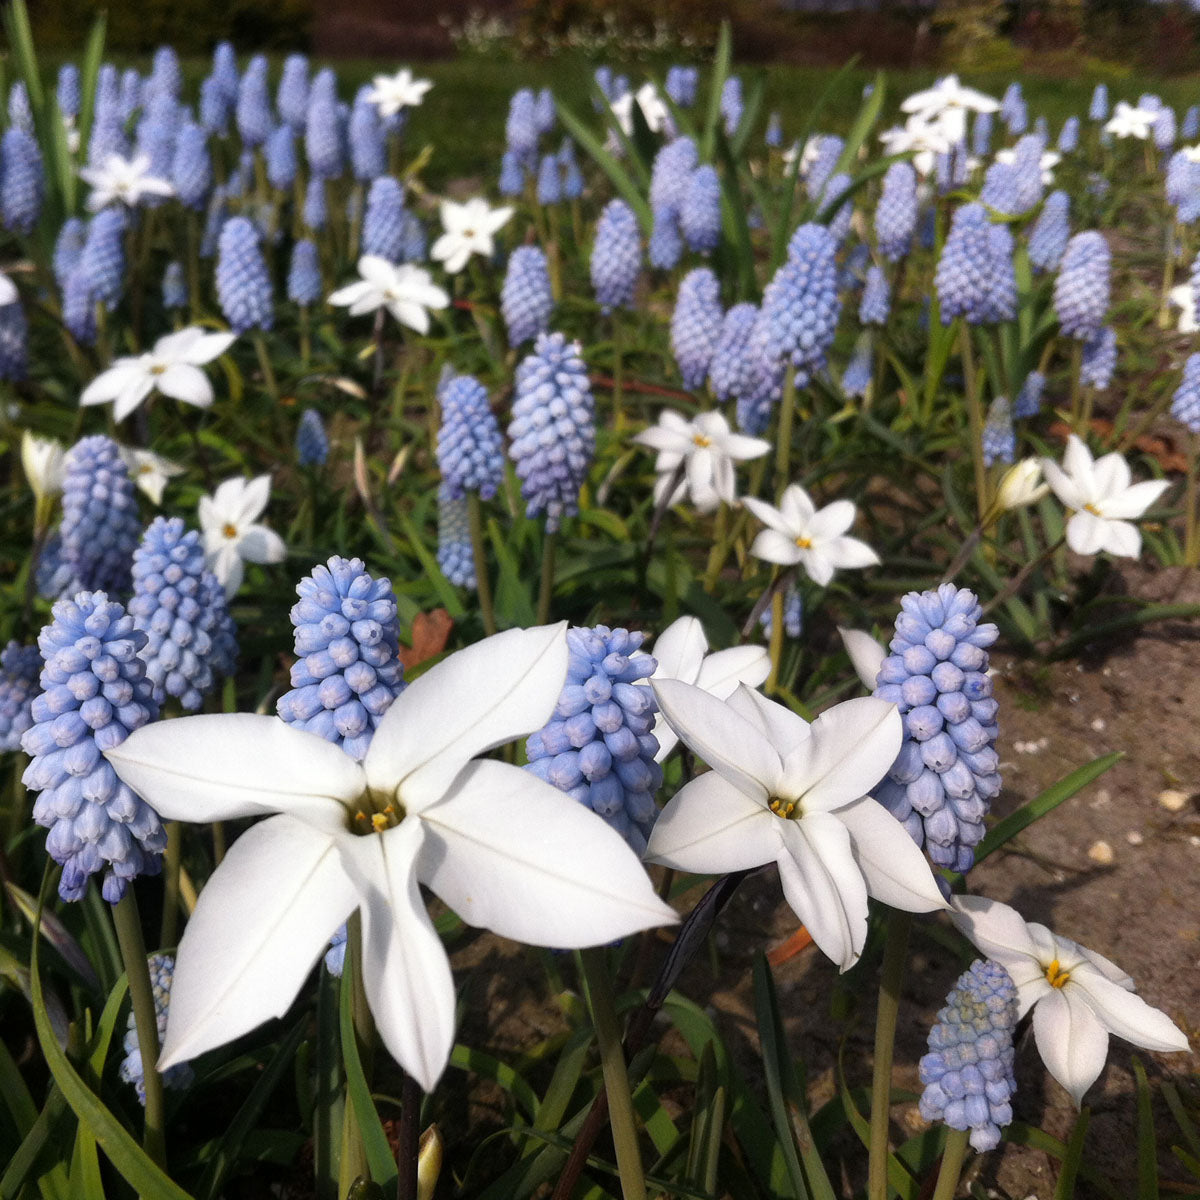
x=264, y=362
x=783, y=447
x=974, y=418
x=141, y=994
x=1076, y=392
x=407, y=1152
x=305, y=337
x=598, y=983
x=953, y=1157
x=353, y=1159
x=554, y=256
x=170, y=914
x=895, y=959
x=1191, y=542
x=776, y=648
x=720, y=549
x=1164, y=303
x=218, y=837
x=546, y=587
x=479, y=552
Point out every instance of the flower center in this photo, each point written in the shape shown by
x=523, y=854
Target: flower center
x=805, y=543
x=1093, y=510
x=230, y=531
x=1056, y=977
x=157, y=369
x=787, y=809
x=468, y=233
x=376, y=812
x=701, y=440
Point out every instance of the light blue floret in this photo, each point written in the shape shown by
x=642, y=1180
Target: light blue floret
x=304, y=274
x=876, y=300
x=728, y=372
x=347, y=672
x=21, y=182
x=243, y=283
x=94, y=694
x=526, y=300
x=20, y=667
x=1081, y=291
x=368, y=151
x=312, y=442
x=1050, y=233
x=1185, y=406
x=191, y=168
x=455, y=554
x=947, y=772
x=174, y=285
x=253, y=109
x=599, y=747
x=103, y=258
x=282, y=163
x=181, y=1075
x=1029, y=398
x=616, y=257
x=100, y=525
x=968, y=1072
x=700, y=212
x=896, y=212
x=323, y=127
x=384, y=220
x=999, y=437
x=291, y=98
x=800, y=307
x=470, y=448
x=696, y=325
x=1099, y=359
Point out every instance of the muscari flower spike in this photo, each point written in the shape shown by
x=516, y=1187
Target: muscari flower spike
x=253, y=109
x=1050, y=233
x=856, y=378
x=383, y=222
x=132, y=1070
x=348, y=670
x=181, y=608
x=100, y=525
x=552, y=434
x=974, y=277
x=876, y=300
x=365, y=134
x=700, y=211
x=312, y=442
x=68, y=248
x=1098, y=109
x=728, y=370
x=800, y=307
x=78, y=308
x=968, y=1072
x=696, y=325
x=323, y=127
x=455, y=554
x=243, y=282
x=281, y=158
x=470, y=448
x=22, y=182
x=1081, y=291
x=665, y=248
x=94, y=694
x=14, y=342
x=999, y=437
x=1185, y=405
x=1029, y=398
x=20, y=667
x=947, y=772
x=316, y=204
x=102, y=260
x=616, y=256
x=526, y=300
x=599, y=747
x=174, y=285
x=549, y=180
x=1099, y=360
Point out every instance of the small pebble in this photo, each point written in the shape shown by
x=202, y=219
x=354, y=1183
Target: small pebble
x=1098, y=724
x=1173, y=800
x=1102, y=853
x=1134, y=838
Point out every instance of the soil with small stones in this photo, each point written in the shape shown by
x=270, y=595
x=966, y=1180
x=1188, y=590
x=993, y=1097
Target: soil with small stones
x=1115, y=868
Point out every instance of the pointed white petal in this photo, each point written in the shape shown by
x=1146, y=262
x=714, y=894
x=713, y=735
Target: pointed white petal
x=848, y=554
x=852, y=746
x=797, y=508
x=1072, y=1042
x=784, y=729
x=1112, y=476
x=725, y=740
x=866, y=655
x=1077, y=462
x=817, y=563
x=410, y=313
x=126, y=373
x=1134, y=501
x=994, y=929
x=895, y=870
x=1122, y=539
x=770, y=516
x=221, y=766
x=1088, y=533
x=354, y=294
x=512, y=854
x=187, y=383
x=1125, y=1013
x=483, y=696
x=229, y=568
x=258, y=544
x=262, y=921
x=773, y=546
x=131, y=397
x=831, y=521
x=1062, y=485
x=255, y=494
x=209, y=346
x=405, y=969
x=824, y=886
x=710, y=828
x=680, y=650
x=723, y=670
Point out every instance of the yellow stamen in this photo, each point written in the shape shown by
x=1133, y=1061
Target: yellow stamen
x=379, y=822
x=230, y=531
x=701, y=440
x=804, y=543
x=360, y=815
x=782, y=808
x=1056, y=976
x=1093, y=510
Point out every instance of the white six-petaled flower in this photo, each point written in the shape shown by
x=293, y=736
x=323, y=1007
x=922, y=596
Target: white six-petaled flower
x=232, y=535
x=706, y=448
x=149, y=471
x=172, y=367
x=1104, y=500
x=505, y=850
x=655, y=112
x=391, y=93
x=1130, y=121
x=406, y=291
x=1077, y=996
x=468, y=230
x=797, y=532
x=784, y=791
x=682, y=653
x=947, y=104
x=125, y=181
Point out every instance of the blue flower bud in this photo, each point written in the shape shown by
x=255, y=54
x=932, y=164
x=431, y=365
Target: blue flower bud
x=304, y=274
x=384, y=227
x=616, y=257
x=243, y=283
x=21, y=180
x=1029, y=398
x=455, y=553
x=526, y=301
x=312, y=442
x=103, y=258
x=696, y=325
x=700, y=211
x=1099, y=358
x=174, y=285
x=896, y=213
x=800, y=307
x=132, y=1070
x=368, y=152
x=253, y=113
x=470, y=448
x=1185, y=406
x=291, y=98
x=191, y=168
x=20, y=667
x=1081, y=290
x=876, y=300
x=729, y=370
x=999, y=437
x=1050, y=233
x=100, y=524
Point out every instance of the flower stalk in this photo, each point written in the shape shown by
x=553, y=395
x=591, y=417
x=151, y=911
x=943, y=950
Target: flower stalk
x=895, y=958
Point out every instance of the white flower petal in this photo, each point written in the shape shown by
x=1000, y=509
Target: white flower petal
x=853, y=744
x=797, y=508
x=258, y=544
x=996, y=930
x=832, y=521
x=824, y=886
x=866, y=655
x=187, y=383
x=725, y=740
x=895, y=870
x=262, y=921
x=131, y=397
x=124, y=374
x=784, y=729
x=710, y=827
x=483, y=696
x=770, y=516
x=1071, y=1040
x=512, y=854
x=253, y=499
x=820, y=566
x=1062, y=485
x=1088, y=533
x=1125, y=1013
x=405, y=969
x=723, y=670
x=680, y=650
x=773, y=546
x=847, y=553
x=221, y=766
x=1133, y=501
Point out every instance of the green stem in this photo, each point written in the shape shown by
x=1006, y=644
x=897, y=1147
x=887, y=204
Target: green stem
x=720, y=549
x=1076, y=364
x=776, y=649
x=546, y=587
x=1164, y=304
x=1191, y=543
x=895, y=958
x=170, y=914
x=141, y=994
x=305, y=337
x=974, y=418
x=598, y=984
x=953, y=1157
x=353, y=1159
x=479, y=552
x=783, y=447
x=264, y=362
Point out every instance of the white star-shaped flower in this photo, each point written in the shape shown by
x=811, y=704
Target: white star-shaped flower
x=1104, y=499
x=232, y=536
x=656, y=113
x=924, y=139
x=1183, y=298
x=149, y=471
x=391, y=93
x=948, y=103
x=505, y=850
x=707, y=449
x=784, y=791
x=122, y=181
x=469, y=228
x=172, y=367
x=682, y=653
x=798, y=533
x=1128, y=121
x=42, y=460
x=1077, y=996
x=406, y=291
